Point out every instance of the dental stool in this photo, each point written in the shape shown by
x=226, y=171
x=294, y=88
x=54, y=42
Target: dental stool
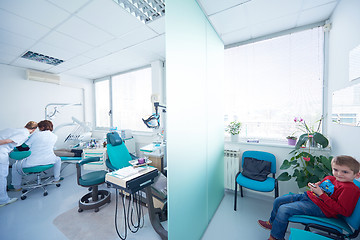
x=36, y=170
x=95, y=198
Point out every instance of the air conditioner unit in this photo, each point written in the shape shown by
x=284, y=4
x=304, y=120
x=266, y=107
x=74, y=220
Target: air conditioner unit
x=42, y=76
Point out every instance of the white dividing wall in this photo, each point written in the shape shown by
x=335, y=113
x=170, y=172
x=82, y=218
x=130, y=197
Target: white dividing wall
x=344, y=36
x=23, y=100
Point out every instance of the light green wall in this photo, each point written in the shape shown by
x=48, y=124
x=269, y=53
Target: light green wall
x=195, y=134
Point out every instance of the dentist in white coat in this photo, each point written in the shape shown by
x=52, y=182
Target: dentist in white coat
x=10, y=138
x=41, y=145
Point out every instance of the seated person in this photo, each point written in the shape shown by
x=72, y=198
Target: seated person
x=41, y=145
x=333, y=196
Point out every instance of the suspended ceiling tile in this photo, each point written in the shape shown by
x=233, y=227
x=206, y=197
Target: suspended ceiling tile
x=52, y=51
x=114, y=45
x=21, y=26
x=96, y=52
x=84, y=31
x=138, y=35
x=11, y=50
x=71, y=6
x=261, y=11
x=47, y=15
x=109, y=16
x=158, y=25
x=6, y=58
x=240, y=35
x=316, y=14
x=273, y=26
x=214, y=6
x=66, y=42
x=155, y=46
x=230, y=20
x=315, y=3
x=16, y=40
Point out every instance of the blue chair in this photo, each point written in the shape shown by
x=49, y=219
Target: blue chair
x=269, y=185
x=36, y=170
x=334, y=228
x=298, y=234
x=118, y=154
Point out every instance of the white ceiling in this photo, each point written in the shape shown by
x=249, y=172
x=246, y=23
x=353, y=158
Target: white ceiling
x=96, y=38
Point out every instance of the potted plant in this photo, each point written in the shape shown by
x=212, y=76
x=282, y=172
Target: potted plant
x=234, y=129
x=311, y=137
x=291, y=140
x=306, y=168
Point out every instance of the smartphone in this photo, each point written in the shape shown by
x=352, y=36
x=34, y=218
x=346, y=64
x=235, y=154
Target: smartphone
x=313, y=185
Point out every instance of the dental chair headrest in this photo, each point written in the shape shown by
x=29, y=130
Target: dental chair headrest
x=113, y=138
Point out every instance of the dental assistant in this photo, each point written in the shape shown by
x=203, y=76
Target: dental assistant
x=41, y=145
x=10, y=138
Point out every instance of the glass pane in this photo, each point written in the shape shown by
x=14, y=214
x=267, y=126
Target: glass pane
x=102, y=103
x=272, y=82
x=132, y=99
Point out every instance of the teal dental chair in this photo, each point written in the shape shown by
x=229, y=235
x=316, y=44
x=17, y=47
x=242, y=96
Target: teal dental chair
x=269, y=185
x=36, y=170
x=95, y=198
x=334, y=228
x=118, y=153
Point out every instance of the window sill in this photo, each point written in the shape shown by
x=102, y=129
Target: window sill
x=269, y=143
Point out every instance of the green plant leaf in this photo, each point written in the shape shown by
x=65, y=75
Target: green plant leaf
x=326, y=161
x=285, y=165
x=320, y=139
x=302, y=140
x=284, y=177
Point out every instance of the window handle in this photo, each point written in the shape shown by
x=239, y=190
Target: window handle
x=110, y=113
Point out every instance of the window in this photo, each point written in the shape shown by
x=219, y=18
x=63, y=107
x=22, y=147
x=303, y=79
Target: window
x=102, y=104
x=130, y=96
x=272, y=81
x=132, y=99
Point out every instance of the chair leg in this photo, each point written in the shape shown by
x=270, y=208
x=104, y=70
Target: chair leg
x=94, y=194
x=276, y=189
x=235, y=196
x=241, y=191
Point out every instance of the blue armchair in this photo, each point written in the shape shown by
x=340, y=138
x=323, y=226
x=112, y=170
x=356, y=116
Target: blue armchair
x=269, y=185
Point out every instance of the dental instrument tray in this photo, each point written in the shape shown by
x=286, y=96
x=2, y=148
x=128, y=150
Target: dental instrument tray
x=132, y=179
x=140, y=162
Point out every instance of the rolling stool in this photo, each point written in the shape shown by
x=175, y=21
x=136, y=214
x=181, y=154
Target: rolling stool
x=28, y=187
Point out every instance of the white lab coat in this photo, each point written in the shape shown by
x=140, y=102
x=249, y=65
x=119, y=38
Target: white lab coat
x=41, y=145
x=18, y=136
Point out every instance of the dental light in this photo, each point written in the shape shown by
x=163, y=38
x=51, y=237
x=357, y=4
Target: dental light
x=154, y=120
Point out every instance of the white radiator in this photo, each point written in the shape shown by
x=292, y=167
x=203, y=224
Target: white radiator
x=231, y=167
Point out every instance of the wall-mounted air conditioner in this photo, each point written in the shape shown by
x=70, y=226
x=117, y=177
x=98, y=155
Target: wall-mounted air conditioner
x=42, y=76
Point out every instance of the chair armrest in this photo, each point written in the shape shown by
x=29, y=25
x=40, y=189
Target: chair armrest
x=88, y=160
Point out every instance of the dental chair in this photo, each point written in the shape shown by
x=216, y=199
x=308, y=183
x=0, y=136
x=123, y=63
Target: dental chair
x=119, y=157
x=39, y=170
x=118, y=153
x=91, y=180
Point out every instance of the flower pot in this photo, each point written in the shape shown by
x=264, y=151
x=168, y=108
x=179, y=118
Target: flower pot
x=235, y=138
x=292, y=142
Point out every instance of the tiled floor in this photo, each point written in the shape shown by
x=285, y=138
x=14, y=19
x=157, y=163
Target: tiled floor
x=33, y=217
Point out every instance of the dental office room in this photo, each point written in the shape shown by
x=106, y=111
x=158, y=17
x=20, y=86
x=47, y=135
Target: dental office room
x=164, y=111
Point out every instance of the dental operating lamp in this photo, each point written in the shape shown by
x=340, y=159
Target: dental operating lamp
x=154, y=120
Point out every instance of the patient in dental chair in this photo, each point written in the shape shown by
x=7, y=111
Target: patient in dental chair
x=41, y=145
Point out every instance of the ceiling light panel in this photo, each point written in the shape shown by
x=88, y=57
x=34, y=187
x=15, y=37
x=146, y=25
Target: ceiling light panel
x=144, y=10
x=41, y=58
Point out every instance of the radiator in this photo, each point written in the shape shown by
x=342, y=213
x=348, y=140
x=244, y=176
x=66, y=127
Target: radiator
x=231, y=167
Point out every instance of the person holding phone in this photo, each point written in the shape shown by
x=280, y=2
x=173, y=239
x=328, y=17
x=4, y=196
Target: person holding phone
x=333, y=196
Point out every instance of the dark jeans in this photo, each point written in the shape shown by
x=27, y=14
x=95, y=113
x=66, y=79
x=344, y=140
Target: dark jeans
x=288, y=205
